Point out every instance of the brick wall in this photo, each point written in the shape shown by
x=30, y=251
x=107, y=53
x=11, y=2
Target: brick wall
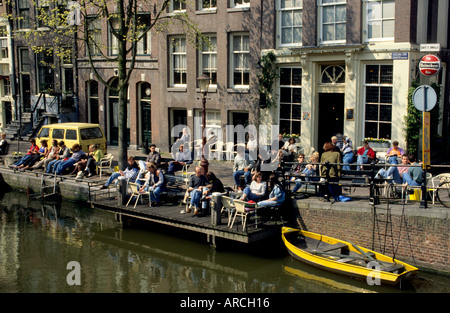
x=420, y=236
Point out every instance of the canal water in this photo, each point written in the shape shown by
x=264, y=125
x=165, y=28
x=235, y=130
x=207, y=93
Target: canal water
x=67, y=248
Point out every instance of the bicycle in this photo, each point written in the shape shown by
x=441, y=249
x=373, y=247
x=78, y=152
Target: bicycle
x=443, y=192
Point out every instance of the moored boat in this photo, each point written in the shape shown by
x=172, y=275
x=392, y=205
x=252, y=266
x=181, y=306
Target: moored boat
x=345, y=257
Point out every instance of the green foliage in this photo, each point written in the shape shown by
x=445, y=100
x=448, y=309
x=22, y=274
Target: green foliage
x=269, y=73
x=413, y=121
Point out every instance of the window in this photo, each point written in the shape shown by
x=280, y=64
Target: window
x=4, y=52
x=90, y=133
x=378, y=101
x=113, y=42
x=24, y=60
x=92, y=87
x=240, y=3
x=333, y=21
x=178, y=5
x=144, y=43
x=42, y=12
x=380, y=19
x=332, y=74
x=45, y=67
x=207, y=4
x=291, y=22
x=240, y=54
x=178, y=61
x=6, y=87
x=290, y=100
x=71, y=134
x=208, y=57
x=44, y=132
x=94, y=33
x=58, y=134
x=23, y=9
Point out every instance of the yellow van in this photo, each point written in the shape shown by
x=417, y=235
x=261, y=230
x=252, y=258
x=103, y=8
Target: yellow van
x=84, y=134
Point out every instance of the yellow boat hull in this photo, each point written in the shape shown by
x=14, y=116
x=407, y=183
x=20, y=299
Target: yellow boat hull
x=361, y=267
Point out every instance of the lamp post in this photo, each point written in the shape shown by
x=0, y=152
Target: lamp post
x=203, y=82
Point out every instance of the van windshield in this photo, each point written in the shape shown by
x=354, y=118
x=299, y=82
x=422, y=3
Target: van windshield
x=91, y=133
x=44, y=132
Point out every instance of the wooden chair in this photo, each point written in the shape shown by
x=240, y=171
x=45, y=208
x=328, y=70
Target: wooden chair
x=105, y=164
x=243, y=210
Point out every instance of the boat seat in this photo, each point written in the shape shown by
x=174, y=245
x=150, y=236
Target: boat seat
x=336, y=246
x=393, y=267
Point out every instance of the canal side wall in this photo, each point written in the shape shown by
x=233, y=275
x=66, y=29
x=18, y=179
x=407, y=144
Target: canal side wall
x=420, y=236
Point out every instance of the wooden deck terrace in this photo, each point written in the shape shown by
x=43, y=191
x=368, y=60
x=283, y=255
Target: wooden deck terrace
x=168, y=213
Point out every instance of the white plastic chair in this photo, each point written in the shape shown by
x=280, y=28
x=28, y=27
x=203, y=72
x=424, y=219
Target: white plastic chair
x=105, y=164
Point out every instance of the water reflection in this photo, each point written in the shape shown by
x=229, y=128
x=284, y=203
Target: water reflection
x=37, y=241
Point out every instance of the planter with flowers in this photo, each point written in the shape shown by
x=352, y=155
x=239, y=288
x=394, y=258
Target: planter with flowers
x=378, y=142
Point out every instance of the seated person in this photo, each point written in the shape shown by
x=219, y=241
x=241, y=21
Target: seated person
x=63, y=154
x=3, y=144
x=276, y=196
x=130, y=173
x=242, y=165
x=77, y=154
x=347, y=153
x=155, y=183
x=30, y=153
x=93, y=160
x=289, y=150
x=214, y=185
x=51, y=155
x=414, y=175
x=153, y=156
x=310, y=169
x=395, y=172
x=393, y=153
x=197, y=183
x=365, y=155
x=257, y=189
x=182, y=158
x=42, y=153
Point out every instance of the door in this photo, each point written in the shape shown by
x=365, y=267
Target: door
x=331, y=117
x=177, y=117
x=146, y=113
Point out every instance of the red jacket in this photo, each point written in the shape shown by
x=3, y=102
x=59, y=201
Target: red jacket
x=370, y=154
x=33, y=149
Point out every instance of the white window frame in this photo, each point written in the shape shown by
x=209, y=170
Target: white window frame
x=211, y=6
x=291, y=87
x=182, y=59
x=335, y=4
x=113, y=43
x=211, y=52
x=379, y=103
x=280, y=12
x=368, y=4
x=146, y=40
x=95, y=32
x=245, y=56
x=240, y=3
x=181, y=8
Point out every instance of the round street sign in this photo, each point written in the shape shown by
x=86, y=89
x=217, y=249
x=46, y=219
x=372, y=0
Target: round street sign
x=429, y=65
x=424, y=98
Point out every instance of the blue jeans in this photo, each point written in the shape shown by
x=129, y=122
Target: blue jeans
x=347, y=159
x=247, y=175
x=407, y=179
x=392, y=159
x=112, y=178
x=23, y=159
x=155, y=194
x=196, y=195
x=173, y=167
x=53, y=164
x=63, y=165
x=362, y=159
x=391, y=171
x=250, y=195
